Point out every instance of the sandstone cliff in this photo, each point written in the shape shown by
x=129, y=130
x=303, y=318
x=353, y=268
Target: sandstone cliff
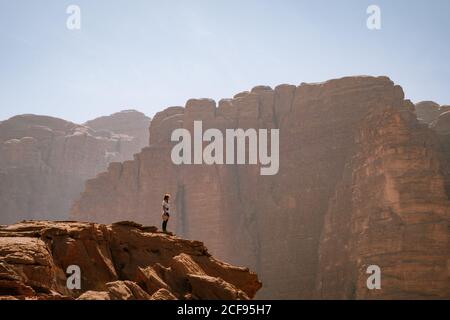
x=440, y=124
x=45, y=161
x=361, y=182
x=122, y=261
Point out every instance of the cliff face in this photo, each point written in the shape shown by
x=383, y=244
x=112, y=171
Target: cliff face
x=391, y=209
x=438, y=120
x=45, y=161
x=360, y=182
x=122, y=261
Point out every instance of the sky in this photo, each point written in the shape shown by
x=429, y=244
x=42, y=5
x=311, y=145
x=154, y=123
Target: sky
x=149, y=55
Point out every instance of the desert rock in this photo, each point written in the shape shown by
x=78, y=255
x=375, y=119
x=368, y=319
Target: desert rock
x=361, y=182
x=123, y=261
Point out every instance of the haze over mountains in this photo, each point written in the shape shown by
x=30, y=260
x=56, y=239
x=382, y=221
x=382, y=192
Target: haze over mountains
x=363, y=180
x=45, y=161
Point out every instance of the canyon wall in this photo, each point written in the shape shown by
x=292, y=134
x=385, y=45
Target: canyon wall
x=361, y=182
x=45, y=161
x=391, y=209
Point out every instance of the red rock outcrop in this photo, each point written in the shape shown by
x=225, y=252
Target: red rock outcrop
x=45, y=161
x=360, y=182
x=122, y=261
x=391, y=209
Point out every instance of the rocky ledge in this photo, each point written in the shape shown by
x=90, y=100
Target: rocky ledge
x=122, y=261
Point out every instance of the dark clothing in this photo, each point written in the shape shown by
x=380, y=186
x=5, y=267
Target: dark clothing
x=164, y=225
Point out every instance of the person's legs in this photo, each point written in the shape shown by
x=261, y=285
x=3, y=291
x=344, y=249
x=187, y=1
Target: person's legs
x=164, y=225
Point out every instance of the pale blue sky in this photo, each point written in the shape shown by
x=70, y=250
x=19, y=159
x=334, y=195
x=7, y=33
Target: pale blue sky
x=149, y=55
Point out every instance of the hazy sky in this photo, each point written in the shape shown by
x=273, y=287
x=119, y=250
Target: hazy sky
x=149, y=55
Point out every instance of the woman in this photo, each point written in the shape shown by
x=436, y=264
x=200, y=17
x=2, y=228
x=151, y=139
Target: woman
x=165, y=215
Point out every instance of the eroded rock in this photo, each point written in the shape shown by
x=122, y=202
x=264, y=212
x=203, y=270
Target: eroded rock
x=308, y=231
x=123, y=261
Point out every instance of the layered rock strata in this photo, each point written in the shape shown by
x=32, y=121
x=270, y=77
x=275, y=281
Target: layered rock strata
x=122, y=261
x=45, y=161
x=361, y=182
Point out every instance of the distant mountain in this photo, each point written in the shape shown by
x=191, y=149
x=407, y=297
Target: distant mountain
x=45, y=161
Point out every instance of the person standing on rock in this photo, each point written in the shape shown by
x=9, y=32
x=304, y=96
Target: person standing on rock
x=165, y=215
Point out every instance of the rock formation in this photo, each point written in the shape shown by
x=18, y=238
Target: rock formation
x=391, y=210
x=122, y=261
x=439, y=123
x=45, y=161
x=361, y=182
x=429, y=111
x=128, y=122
